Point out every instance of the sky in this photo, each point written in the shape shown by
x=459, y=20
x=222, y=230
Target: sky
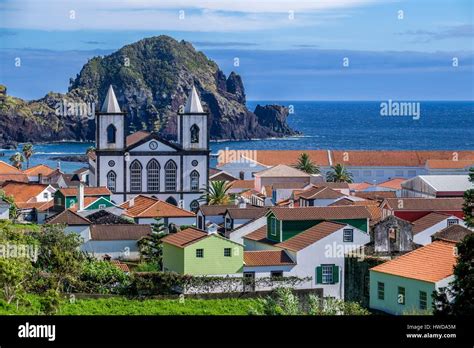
x=286, y=49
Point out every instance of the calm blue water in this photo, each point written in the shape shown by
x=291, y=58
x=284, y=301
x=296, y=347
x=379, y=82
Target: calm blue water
x=337, y=125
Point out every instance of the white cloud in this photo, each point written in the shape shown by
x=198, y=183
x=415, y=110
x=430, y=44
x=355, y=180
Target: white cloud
x=210, y=15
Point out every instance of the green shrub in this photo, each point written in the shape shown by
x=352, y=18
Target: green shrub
x=102, y=277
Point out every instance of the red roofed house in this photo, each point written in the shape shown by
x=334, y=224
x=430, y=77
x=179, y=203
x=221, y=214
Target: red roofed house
x=406, y=283
x=428, y=225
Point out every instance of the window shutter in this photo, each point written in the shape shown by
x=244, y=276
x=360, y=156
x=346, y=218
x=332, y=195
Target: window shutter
x=335, y=274
x=319, y=275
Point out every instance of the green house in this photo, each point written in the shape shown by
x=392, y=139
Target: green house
x=67, y=198
x=195, y=252
x=285, y=223
x=405, y=285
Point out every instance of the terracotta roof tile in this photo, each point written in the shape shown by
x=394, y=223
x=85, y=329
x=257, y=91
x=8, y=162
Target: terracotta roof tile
x=423, y=204
x=449, y=164
x=68, y=217
x=119, y=232
x=144, y=206
x=120, y=265
x=23, y=192
x=214, y=210
x=136, y=137
x=267, y=258
x=320, y=192
x=427, y=221
x=321, y=213
x=88, y=191
x=40, y=206
x=393, y=183
x=359, y=186
x=259, y=235
x=13, y=177
x=343, y=201
x=454, y=233
x=376, y=195
x=39, y=169
x=282, y=170
x=242, y=184
x=310, y=236
x=246, y=213
x=6, y=168
x=184, y=238
x=430, y=263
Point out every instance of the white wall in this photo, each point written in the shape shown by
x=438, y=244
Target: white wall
x=4, y=212
x=179, y=221
x=237, y=234
x=125, y=249
x=424, y=237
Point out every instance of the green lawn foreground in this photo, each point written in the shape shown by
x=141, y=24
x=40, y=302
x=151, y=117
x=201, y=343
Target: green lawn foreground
x=124, y=306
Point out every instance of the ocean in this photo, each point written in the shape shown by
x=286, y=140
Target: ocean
x=334, y=125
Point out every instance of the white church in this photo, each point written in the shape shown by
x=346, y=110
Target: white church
x=144, y=163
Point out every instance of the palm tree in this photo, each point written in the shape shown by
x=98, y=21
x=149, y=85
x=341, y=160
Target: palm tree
x=306, y=165
x=28, y=151
x=217, y=193
x=339, y=174
x=17, y=160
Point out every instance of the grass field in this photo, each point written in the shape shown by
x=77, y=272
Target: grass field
x=123, y=306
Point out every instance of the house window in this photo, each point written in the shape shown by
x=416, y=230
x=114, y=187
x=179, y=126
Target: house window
x=153, y=176
x=423, y=300
x=101, y=206
x=401, y=295
x=135, y=176
x=227, y=252
x=327, y=272
x=273, y=228
x=453, y=222
x=194, y=206
x=348, y=235
x=111, y=132
x=170, y=176
x=200, y=253
x=194, y=134
x=45, y=196
x=241, y=175
x=381, y=291
x=112, y=181
x=194, y=180
x=276, y=275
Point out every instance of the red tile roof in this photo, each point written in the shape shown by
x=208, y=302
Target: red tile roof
x=88, y=191
x=259, y=235
x=376, y=195
x=320, y=192
x=6, y=168
x=430, y=263
x=13, y=177
x=214, y=210
x=40, y=206
x=425, y=204
x=273, y=158
x=39, y=169
x=149, y=207
x=242, y=184
x=120, y=265
x=310, y=236
x=449, y=164
x=359, y=186
x=267, y=258
x=246, y=213
x=395, y=184
x=454, y=233
x=427, y=221
x=68, y=217
x=184, y=238
x=321, y=213
x=23, y=192
x=136, y=137
x=119, y=232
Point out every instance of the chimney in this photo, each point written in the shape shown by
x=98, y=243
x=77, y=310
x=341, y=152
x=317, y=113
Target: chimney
x=80, y=196
x=40, y=178
x=59, y=165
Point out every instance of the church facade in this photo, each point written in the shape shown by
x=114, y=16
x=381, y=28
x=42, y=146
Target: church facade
x=144, y=163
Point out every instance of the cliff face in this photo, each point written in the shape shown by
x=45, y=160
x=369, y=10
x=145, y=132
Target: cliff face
x=151, y=78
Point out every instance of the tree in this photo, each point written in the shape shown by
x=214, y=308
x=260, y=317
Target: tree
x=13, y=211
x=90, y=149
x=306, y=165
x=458, y=297
x=151, y=247
x=468, y=205
x=217, y=193
x=14, y=273
x=17, y=160
x=28, y=151
x=59, y=255
x=339, y=173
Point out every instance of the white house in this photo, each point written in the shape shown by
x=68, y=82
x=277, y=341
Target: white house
x=317, y=252
x=237, y=216
x=144, y=163
x=428, y=225
x=237, y=234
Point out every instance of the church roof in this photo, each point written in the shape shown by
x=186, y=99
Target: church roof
x=193, y=104
x=111, y=104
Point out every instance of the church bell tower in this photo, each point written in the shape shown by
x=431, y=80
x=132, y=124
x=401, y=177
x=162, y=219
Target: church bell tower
x=192, y=124
x=110, y=124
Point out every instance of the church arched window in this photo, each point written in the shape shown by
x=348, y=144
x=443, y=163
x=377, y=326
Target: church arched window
x=135, y=176
x=170, y=176
x=194, y=206
x=194, y=134
x=112, y=181
x=111, y=132
x=153, y=176
x=194, y=180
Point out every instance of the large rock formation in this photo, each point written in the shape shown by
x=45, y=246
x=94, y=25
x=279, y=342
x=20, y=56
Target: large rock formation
x=151, y=78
